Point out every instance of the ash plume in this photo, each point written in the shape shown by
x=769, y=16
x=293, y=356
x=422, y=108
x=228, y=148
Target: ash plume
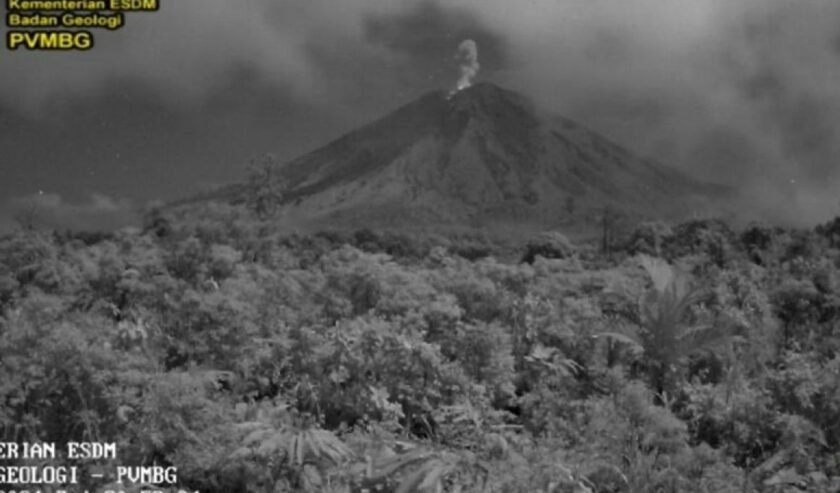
x=467, y=57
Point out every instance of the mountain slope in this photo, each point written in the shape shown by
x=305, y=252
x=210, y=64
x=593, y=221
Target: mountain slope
x=483, y=155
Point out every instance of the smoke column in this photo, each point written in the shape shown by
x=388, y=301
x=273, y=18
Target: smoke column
x=467, y=57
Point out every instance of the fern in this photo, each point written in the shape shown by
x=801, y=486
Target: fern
x=299, y=457
x=425, y=471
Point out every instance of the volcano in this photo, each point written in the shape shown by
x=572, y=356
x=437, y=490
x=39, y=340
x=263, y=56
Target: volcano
x=481, y=156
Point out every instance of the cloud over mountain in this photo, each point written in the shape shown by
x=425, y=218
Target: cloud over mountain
x=743, y=90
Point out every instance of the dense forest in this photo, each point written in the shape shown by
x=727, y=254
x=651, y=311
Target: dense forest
x=681, y=358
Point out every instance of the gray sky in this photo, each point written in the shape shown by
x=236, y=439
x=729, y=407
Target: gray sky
x=744, y=92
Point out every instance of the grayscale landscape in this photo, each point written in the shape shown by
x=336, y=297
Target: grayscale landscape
x=426, y=246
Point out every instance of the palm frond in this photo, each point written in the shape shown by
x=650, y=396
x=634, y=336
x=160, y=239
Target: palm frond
x=631, y=341
x=427, y=479
x=394, y=464
x=660, y=272
x=704, y=337
x=319, y=446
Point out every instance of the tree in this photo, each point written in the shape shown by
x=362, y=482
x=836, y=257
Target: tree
x=648, y=237
x=549, y=244
x=155, y=221
x=611, y=221
x=831, y=230
x=667, y=334
x=266, y=186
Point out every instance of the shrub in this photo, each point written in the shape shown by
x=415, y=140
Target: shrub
x=552, y=245
x=649, y=237
x=710, y=237
x=831, y=231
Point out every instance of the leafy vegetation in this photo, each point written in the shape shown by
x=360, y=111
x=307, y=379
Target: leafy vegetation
x=696, y=359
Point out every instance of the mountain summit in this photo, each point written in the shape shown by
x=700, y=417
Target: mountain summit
x=482, y=155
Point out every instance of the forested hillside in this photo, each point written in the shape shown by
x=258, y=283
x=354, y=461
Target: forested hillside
x=687, y=358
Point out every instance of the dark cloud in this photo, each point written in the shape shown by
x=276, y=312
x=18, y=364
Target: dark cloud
x=427, y=37
x=742, y=91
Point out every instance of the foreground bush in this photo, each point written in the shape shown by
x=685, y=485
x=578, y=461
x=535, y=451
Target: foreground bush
x=260, y=361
